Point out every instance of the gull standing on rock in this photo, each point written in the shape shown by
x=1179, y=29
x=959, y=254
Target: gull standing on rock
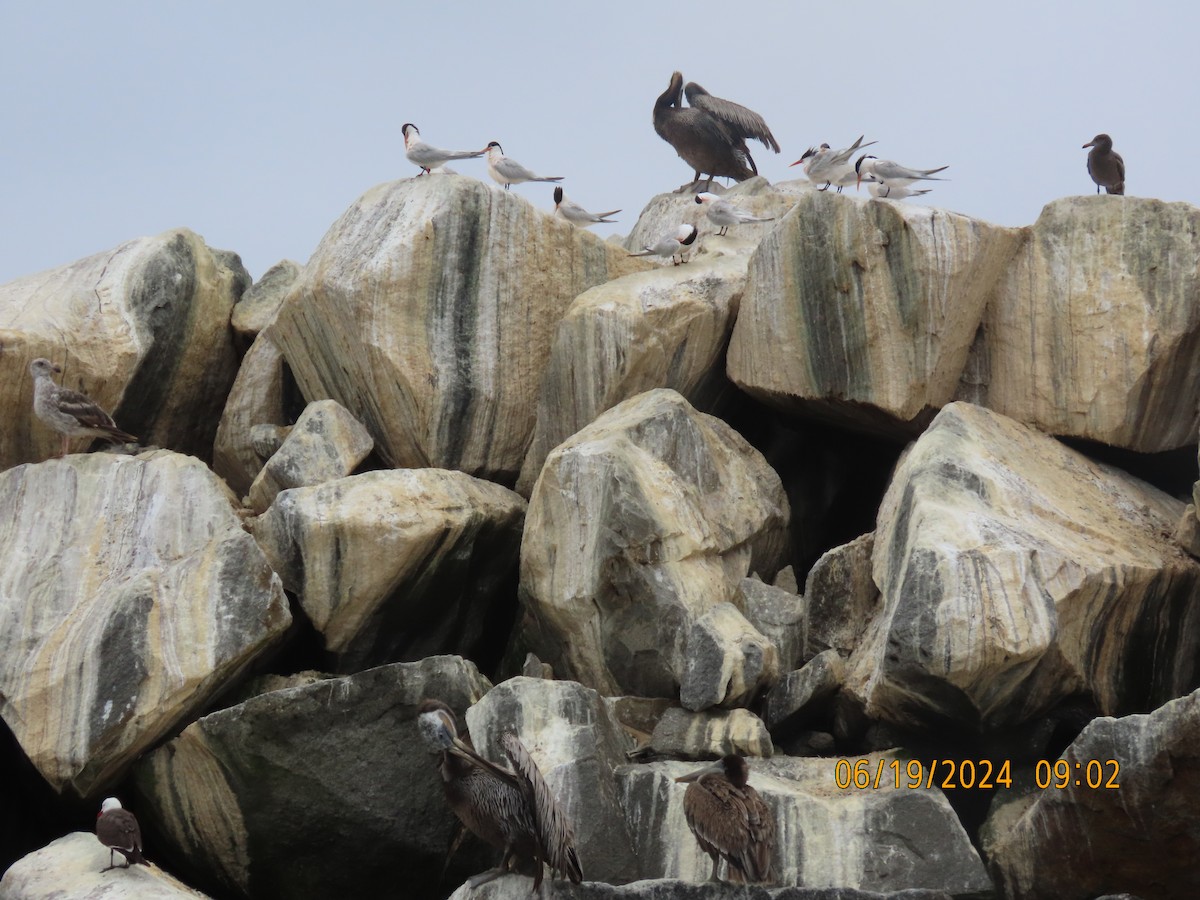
x=891, y=173
x=670, y=244
x=508, y=171
x=118, y=830
x=68, y=412
x=723, y=213
x=831, y=166
x=422, y=154
x=1105, y=165
x=576, y=214
x=730, y=820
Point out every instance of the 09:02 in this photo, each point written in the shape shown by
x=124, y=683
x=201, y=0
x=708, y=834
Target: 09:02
x=1058, y=773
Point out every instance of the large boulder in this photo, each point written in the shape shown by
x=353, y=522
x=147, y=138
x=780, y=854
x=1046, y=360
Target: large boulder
x=260, y=304
x=840, y=598
x=129, y=597
x=396, y=565
x=863, y=311
x=321, y=790
x=1121, y=813
x=638, y=526
x=1095, y=329
x=142, y=329
x=428, y=310
x=1014, y=573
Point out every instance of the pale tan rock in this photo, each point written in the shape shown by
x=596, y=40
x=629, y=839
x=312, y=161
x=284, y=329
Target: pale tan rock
x=639, y=525
x=863, y=311
x=142, y=329
x=129, y=596
x=667, y=328
x=428, y=310
x=395, y=565
x=327, y=442
x=258, y=397
x=1015, y=572
x=69, y=869
x=1187, y=532
x=711, y=734
x=1094, y=329
x=728, y=661
x=260, y=304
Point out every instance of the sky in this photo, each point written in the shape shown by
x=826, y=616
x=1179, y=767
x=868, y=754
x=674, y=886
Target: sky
x=256, y=124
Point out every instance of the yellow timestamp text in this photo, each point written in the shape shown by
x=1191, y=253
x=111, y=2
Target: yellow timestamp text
x=982, y=774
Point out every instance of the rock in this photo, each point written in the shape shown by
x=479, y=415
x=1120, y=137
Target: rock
x=887, y=839
x=1187, y=532
x=267, y=439
x=639, y=716
x=1143, y=836
x=516, y=887
x=785, y=580
x=1015, y=573
x=395, y=565
x=259, y=396
x=799, y=696
x=260, y=304
x=147, y=337
x=327, y=442
x=428, y=310
x=710, y=734
x=1095, y=327
x=727, y=660
x=318, y=791
x=130, y=597
x=577, y=745
x=638, y=526
x=777, y=614
x=840, y=598
x=863, y=311
x=662, y=329
x=69, y=869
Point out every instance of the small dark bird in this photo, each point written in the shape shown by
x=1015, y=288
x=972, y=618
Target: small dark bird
x=730, y=820
x=511, y=809
x=118, y=830
x=1105, y=165
x=68, y=412
x=710, y=134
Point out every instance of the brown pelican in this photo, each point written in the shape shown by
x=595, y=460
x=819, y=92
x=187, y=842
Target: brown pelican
x=730, y=820
x=511, y=809
x=69, y=412
x=710, y=134
x=118, y=830
x=1105, y=165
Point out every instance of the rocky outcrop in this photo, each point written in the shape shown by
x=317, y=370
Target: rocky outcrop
x=778, y=615
x=325, y=443
x=136, y=570
x=428, y=310
x=840, y=598
x=1095, y=329
x=1014, y=573
x=863, y=311
x=639, y=525
x=259, y=797
x=69, y=869
x=681, y=734
x=142, y=329
x=260, y=304
x=1125, y=798
x=395, y=565
x=516, y=887
x=799, y=695
x=727, y=660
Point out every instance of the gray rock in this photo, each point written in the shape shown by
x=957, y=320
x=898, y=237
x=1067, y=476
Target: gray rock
x=1187, y=532
x=777, y=614
x=728, y=660
x=317, y=791
x=257, y=399
x=681, y=734
x=801, y=695
x=840, y=598
x=785, y=579
x=260, y=304
x=327, y=442
x=515, y=887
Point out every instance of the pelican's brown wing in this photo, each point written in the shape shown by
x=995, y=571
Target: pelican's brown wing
x=88, y=413
x=554, y=831
x=735, y=822
x=762, y=836
x=118, y=828
x=745, y=122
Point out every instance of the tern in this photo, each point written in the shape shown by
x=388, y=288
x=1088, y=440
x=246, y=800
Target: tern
x=428, y=158
x=830, y=166
x=576, y=214
x=886, y=191
x=508, y=171
x=723, y=213
x=892, y=173
x=1105, y=165
x=670, y=244
x=710, y=134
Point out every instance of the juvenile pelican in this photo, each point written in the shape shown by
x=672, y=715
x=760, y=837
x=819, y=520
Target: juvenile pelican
x=1105, y=165
x=511, y=809
x=670, y=244
x=118, y=830
x=575, y=214
x=709, y=135
x=422, y=154
x=508, y=171
x=730, y=820
x=68, y=412
x=723, y=213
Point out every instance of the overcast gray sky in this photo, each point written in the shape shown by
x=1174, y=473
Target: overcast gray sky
x=257, y=123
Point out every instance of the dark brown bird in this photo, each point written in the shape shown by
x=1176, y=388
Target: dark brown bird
x=118, y=830
x=1105, y=165
x=730, y=820
x=710, y=134
x=511, y=809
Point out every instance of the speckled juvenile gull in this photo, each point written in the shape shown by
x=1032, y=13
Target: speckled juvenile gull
x=68, y=412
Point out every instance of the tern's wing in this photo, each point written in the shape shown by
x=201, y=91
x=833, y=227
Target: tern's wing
x=510, y=168
x=890, y=171
x=745, y=122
